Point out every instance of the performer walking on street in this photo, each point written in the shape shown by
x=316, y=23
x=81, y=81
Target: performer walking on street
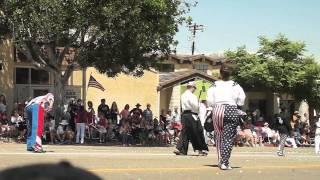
x=36, y=110
x=224, y=97
x=284, y=128
x=191, y=126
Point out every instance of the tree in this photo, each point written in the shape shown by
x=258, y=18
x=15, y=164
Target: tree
x=281, y=66
x=113, y=36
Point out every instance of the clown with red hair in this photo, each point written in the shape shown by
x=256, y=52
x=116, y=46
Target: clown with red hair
x=36, y=109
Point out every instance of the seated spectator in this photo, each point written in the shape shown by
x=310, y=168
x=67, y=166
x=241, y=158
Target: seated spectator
x=306, y=134
x=4, y=124
x=51, y=128
x=163, y=134
x=22, y=129
x=290, y=142
x=240, y=137
x=102, y=127
x=136, y=116
x=69, y=135
x=249, y=137
x=297, y=134
x=143, y=133
x=125, y=133
x=16, y=119
x=61, y=131
x=258, y=133
x=268, y=133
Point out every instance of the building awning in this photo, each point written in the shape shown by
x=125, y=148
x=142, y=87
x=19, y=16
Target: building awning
x=167, y=80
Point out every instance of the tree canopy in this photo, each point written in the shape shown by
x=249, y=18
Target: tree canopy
x=281, y=66
x=113, y=36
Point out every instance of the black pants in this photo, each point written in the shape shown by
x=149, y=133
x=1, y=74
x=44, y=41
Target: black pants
x=126, y=139
x=191, y=131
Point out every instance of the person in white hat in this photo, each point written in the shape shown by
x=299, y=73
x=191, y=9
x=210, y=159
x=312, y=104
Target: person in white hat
x=61, y=130
x=191, y=126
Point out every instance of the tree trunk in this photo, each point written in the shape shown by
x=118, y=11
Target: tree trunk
x=59, y=94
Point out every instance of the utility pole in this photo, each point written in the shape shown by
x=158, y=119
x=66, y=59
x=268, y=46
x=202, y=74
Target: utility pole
x=194, y=28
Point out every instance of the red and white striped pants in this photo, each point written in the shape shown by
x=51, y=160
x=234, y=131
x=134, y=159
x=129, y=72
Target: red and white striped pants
x=225, y=122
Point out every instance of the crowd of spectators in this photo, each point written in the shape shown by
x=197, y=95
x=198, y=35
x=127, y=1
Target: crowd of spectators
x=256, y=131
x=103, y=125
x=137, y=126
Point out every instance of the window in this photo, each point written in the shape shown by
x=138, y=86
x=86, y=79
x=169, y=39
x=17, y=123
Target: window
x=39, y=76
x=166, y=67
x=22, y=75
x=33, y=76
x=201, y=67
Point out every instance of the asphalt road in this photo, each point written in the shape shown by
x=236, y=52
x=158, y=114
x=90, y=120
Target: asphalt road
x=115, y=162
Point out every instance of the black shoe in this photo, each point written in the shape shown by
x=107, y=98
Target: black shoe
x=202, y=153
x=178, y=153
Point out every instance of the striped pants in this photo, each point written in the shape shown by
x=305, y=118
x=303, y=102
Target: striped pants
x=283, y=139
x=225, y=122
x=35, y=125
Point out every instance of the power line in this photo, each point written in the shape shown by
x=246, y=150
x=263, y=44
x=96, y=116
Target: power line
x=194, y=28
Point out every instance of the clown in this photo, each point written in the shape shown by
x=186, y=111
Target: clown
x=36, y=109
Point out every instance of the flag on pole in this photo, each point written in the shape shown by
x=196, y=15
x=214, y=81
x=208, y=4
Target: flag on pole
x=94, y=83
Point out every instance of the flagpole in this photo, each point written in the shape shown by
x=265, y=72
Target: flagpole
x=84, y=83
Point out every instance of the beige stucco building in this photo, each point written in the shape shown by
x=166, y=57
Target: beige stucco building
x=19, y=81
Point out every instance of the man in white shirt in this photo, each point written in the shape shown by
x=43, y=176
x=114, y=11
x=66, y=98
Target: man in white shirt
x=191, y=126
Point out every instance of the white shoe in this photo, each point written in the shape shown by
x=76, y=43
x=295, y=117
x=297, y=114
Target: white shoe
x=224, y=167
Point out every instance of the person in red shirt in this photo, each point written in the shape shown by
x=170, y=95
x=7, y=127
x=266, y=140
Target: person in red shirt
x=81, y=119
x=102, y=127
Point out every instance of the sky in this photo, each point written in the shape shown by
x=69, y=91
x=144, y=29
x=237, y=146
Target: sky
x=233, y=23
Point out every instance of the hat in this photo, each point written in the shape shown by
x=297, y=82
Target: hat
x=138, y=105
x=266, y=124
x=296, y=112
x=64, y=122
x=192, y=84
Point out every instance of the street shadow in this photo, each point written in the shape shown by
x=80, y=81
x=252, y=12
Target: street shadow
x=216, y=166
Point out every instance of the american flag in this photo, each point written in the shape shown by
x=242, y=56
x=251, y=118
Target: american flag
x=94, y=83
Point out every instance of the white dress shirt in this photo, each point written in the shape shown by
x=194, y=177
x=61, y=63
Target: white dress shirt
x=226, y=92
x=189, y=102
x=202, y=113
